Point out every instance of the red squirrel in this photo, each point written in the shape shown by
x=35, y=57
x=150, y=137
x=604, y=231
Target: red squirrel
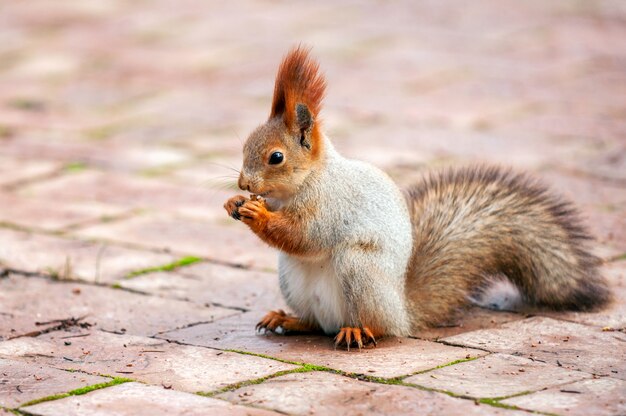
x=359, y=259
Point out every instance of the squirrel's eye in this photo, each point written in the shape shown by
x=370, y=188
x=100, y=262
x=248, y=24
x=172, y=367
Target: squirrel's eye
x=276, y=158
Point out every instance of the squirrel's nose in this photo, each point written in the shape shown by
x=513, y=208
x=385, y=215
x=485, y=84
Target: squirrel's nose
x=243, y=183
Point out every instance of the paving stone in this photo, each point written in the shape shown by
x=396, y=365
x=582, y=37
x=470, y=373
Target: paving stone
x=604, y=396
x=63, y=147
x=132, y=191
x=22, y=382
x=455, y=148
x=535, y=85
x=324, y=393
x=22, y=306
x=584, y=190
x=608, y=224
x=471, y=104
x=14, y=171
x=215, y=284
x=570, y=345
x=496, y=375
x=231, y=241
x=561, y=125
x=468, y=320
x=99, y=152
x=42, y=214
x=609, y=166
x=134, y=398
x=73, y=259
x=151, y=361
x=606, y=253
x=391, y=358
x=48, y=64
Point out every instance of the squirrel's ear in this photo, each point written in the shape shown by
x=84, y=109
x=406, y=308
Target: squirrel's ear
x=303, y=117
x=298, y=81
x=298, y=95
x=304, y=121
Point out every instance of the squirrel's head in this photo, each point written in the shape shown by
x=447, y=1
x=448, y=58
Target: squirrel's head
x=280, y=154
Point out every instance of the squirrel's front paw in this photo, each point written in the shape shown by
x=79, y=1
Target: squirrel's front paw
x=233, y=204
x=254, y=214
x=279, y=319
x=272, y=321
x=359, y=336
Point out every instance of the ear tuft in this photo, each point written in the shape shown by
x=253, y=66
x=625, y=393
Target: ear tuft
x=298, y=82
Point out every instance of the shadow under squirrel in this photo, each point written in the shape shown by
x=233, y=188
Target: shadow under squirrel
x=361, y=260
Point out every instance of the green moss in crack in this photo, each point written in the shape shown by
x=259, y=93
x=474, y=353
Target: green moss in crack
x=185, y=261
x=495, y=402
x=74, y=167
x=449, y=393
x=510, y=396
x=6, y=132
x=397, y=381
x=13, y=411
x=46, y=399
x=28, y=104
x=307, y=366
x=236, y=386
x=78, y=392
x=102, y=132
x=58, y=274
x=269, y=357
x=87, y=389
x=463, y=360
x=619, y=257
x=162, y=170
x=52, y=273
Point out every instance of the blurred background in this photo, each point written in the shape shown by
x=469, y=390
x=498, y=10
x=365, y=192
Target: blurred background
x=121, y=120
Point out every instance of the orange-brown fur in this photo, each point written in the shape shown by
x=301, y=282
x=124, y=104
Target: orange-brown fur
x=279, y=229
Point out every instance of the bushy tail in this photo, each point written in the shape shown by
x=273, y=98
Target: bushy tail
x=476, y=223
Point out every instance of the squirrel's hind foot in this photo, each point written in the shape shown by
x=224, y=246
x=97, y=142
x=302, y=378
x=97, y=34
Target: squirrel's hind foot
x=358, y=336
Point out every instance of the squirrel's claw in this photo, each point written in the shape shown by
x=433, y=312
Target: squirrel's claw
x=279, y=319
x=369, y=336
x=359, y=336
x=252, y=209
x=271, y=321
x=233, y=204
x=255, y=215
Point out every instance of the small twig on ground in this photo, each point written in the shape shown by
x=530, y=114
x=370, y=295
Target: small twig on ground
x=76, y=336
x=62, y=324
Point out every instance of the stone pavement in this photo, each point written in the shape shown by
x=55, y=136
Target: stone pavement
x=126, y=290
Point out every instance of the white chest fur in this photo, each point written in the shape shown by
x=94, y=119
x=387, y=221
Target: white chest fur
x=312, y=289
